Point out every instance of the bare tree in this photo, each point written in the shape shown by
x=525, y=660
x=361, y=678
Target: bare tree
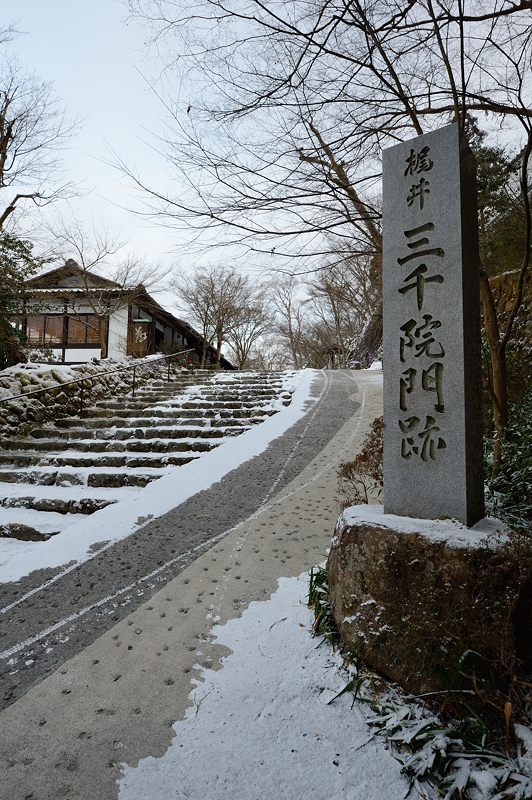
x=289, y=298
x=282, y=149
x=250, y=324
x=343, y=298
x=196, y=292
x=7, y=32
x=320, y=320
x=270, y=355
x=33, y=131
x=221, y=303
x=260, y=171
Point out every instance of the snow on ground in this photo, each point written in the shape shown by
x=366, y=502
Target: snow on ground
x=48, y=521
x=67, y=492
x=264, y=727
x=76, y=542
x=376, y=365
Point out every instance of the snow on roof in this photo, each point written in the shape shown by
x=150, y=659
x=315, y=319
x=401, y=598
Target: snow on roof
x=70, y=275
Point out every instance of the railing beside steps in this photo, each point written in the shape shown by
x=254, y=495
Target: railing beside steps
x=96, y=378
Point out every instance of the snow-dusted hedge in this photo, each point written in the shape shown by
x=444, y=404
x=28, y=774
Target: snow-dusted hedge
x=62, y=399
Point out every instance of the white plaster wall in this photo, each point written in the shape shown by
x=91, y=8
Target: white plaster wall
x=80, y=308
x=118, y=333
x=81, y=355
x=54, y=306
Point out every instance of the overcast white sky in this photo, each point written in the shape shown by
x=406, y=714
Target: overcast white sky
x=96, y=60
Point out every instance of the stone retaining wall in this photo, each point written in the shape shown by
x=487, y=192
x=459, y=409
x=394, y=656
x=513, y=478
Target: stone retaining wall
x=62, y=400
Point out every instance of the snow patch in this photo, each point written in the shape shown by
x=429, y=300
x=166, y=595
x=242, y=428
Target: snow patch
x=486, y=532
x=265, y=724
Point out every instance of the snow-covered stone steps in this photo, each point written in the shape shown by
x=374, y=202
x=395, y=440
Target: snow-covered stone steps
x=155, y=431
x=96, y=477
x=100, y=417
x=254, y=378
x=212, y=394
x=131, y=404
x=162, y=422
x=188, y=401
x=225, y=404
x=237, y=422
x=79, y=466
x=112, y=446
x=131, y=423
x=241, y=387
x=103, y=478
x=23, y=521
x=84, y=505
x=150, y=395
x=97, y=460
x=143, y=398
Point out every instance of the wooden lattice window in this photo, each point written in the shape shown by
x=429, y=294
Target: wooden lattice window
x=83, y=329
x=45, y=329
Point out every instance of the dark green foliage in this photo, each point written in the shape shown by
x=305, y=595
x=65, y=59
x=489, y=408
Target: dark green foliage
x=509, y=493
x=318, y=601
x=16, y=265
x=11, y=349
x=500, y=211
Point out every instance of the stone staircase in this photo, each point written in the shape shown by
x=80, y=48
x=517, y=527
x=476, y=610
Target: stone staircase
x=81, y=465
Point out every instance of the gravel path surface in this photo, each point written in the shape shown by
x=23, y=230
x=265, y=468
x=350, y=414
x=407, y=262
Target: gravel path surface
x=106, y=686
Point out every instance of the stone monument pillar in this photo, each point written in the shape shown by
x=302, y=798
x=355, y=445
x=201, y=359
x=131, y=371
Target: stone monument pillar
x=431, y=351
x=411, y=596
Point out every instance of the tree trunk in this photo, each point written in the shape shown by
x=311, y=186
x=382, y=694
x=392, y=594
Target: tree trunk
x=291, y=337
x=497, y=382
x=103, y=325
x=203, y=354
x=219, y=343
x=500, y=404
x=371, y=341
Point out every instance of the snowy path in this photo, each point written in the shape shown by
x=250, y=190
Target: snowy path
x=263, y=726
x=104, y=688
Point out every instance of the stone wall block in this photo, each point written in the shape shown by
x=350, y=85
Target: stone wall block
x=410, y=607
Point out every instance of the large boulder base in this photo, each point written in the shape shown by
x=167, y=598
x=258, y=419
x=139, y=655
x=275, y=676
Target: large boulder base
x=411, y=603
